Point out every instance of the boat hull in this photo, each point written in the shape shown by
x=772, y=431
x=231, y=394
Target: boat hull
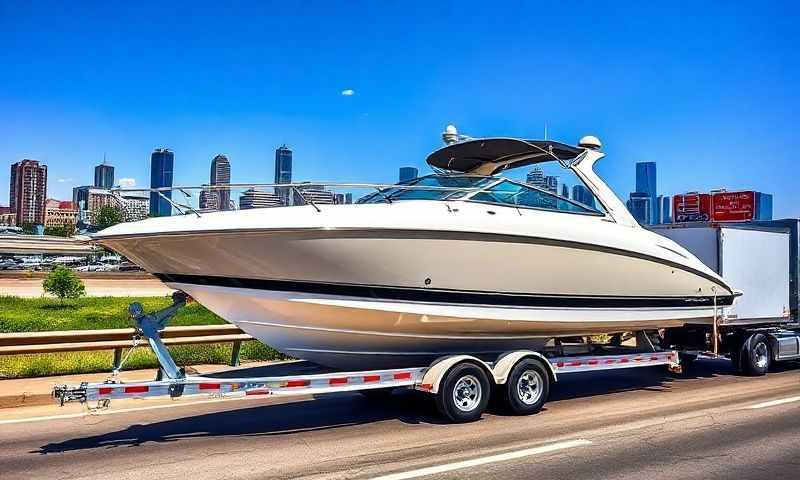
x=346, y=332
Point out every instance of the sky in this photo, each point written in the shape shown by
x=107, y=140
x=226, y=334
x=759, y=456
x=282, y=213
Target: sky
x=358, y=89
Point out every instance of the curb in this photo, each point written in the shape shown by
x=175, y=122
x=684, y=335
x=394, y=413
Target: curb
x=26, y=399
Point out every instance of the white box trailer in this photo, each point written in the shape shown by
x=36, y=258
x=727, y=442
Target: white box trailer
x=754, y=260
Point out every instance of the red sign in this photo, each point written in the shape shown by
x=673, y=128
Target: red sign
x=691, y=207
x=733, y=206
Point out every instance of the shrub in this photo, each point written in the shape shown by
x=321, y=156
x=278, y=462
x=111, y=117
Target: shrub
x=63, y=283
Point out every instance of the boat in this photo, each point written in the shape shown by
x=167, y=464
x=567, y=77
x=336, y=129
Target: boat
x=464, y=260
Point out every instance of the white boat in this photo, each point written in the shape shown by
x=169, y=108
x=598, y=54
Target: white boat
x=461, y=261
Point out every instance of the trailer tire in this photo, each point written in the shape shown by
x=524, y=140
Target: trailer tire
x=463, y=393
x=755, y=356
x=526, y=389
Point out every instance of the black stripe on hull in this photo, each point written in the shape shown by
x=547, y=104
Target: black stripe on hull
x=465, y=297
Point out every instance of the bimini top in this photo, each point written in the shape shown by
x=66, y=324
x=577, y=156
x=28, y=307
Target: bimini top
x=487, y=156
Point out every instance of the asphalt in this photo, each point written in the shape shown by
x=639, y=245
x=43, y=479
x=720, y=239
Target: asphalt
x=642, y=423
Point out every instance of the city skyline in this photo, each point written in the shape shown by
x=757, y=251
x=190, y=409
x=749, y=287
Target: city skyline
x=688, y=105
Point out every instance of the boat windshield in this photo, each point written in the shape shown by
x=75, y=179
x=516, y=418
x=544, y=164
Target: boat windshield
x=507, y=192
x=431, y=187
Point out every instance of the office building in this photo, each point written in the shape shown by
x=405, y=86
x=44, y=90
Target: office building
x=58, y=213
x=564, y=190
x=221, y=175
x=408, y=173
x=161, y=163
x=646, y=183
x=28, y=192
x=252, y=198
x=536, y=178
x=348, y=198
x=664, y=207
x=283, y=170
x=313, y=194
x=640, y=207
x=209, y=199
x=551, y=184
x=104, y=176
x=581, y=194
x=7, y=217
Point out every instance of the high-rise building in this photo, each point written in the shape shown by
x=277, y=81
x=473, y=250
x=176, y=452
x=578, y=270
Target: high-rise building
x=564, y=190
x=221, y=175
x=536, y=178
x=161, y=163
x=209, y=199
x=408, y=173
x=283, y=170
x=551, y=184
x=581, y=194
x=28, y=192
x=640, y=207
x=313, y=194
x=646, y=183
x=104, y=175
x=664, y=206
x=348, y=198
x=252, y=198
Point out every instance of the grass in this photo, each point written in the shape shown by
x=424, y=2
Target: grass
x=44, y=314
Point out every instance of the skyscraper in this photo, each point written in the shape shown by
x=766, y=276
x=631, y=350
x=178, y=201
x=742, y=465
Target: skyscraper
x=408, y=173
x=646, y=183
x=28, y=192
x=564, y=190
x=551, y=184
x=104, y=175
x=221, y=175
x=536, y=178
x=161, y=162
x=581, y=194
x=640, y=207
x=283, y=170
x=664, y=206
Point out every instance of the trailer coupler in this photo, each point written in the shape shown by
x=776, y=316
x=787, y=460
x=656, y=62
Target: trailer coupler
x=66, y=393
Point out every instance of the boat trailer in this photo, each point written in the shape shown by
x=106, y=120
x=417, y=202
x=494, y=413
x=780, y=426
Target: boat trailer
x=460, y=383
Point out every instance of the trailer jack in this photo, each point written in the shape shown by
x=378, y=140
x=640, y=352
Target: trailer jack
x=149, y=326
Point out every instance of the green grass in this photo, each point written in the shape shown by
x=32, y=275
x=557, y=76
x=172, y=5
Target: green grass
x=44, y=314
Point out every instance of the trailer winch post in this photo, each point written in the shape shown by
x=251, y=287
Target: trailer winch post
x=148, y=326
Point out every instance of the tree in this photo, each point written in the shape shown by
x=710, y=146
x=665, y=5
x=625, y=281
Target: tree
x=28, y=228
x=60, y=230
x=63, y=283
x=108, y=216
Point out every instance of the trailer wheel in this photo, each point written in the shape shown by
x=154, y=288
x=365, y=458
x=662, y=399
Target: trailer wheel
x=526, y=388
x=755, y=355
x=463, y=393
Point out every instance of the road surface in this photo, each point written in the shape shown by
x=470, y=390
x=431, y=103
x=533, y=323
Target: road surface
x=634, y=424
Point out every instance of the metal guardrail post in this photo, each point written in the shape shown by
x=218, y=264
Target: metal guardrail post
x=236, y=352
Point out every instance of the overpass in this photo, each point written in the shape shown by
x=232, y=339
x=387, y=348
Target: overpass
x=44, y=245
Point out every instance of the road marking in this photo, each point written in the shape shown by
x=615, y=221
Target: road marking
x=774, y=403
x=449, y=467
x=122, y=410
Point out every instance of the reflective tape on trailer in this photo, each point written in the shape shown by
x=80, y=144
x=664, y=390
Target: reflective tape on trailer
x=611, y=362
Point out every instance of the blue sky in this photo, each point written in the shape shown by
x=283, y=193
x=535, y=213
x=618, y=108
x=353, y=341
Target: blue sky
x=707, y=90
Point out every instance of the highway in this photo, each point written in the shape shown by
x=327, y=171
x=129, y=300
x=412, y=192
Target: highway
x=634, y=424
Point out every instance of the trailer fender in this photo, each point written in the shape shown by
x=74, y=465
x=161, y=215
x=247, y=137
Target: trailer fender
x=433, y=376
x=502, y=368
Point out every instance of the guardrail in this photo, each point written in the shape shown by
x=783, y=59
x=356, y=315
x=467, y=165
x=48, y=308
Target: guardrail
x=118, y=339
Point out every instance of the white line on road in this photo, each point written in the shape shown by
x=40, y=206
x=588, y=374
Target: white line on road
x=774, y=403
x=449, y=467
x=123, y=410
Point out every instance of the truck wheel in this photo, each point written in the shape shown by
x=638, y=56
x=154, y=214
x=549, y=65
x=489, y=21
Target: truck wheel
x=755, y=355
x=526, y=388
x=463, y=393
